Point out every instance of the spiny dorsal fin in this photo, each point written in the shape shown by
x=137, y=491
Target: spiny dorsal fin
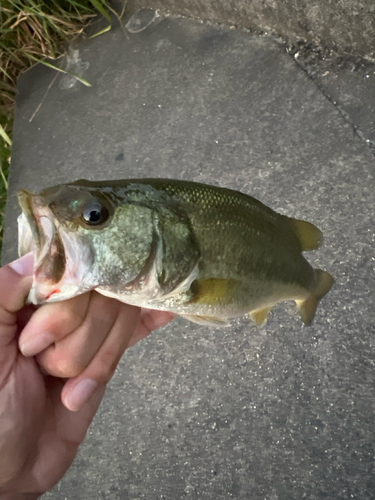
x=307, y=308
x=309, y=235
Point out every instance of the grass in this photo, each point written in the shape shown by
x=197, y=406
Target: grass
x=31, y=30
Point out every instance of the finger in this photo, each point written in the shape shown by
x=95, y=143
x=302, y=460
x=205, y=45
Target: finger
x=150, y=320
x=15, y=284
x=70, y=356
x=78, y=390
x=24, y=315
x=53, y=322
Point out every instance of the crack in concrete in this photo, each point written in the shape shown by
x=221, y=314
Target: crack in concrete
x=315, y=67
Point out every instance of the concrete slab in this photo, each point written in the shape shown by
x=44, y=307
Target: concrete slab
x=284, y=412
x=349, y=83
x=344, y=28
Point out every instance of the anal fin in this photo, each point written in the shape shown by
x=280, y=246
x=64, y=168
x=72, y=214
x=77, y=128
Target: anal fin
x=307, y=307
x=206, y=320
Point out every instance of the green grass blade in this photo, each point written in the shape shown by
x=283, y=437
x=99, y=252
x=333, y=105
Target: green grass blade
x=108, y=28
x=49, y=65
x=5, y=136
x=6, y=74
x=4, y=179
x=99, y=7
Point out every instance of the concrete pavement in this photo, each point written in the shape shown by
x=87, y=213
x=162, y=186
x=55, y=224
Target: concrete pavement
x=280, y=413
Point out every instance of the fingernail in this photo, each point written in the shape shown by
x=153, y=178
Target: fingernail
x=36, y=344
x=80, y=394
x=24, y=265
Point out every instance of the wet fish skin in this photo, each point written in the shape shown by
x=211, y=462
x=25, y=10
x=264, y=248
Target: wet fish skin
x=204, y=252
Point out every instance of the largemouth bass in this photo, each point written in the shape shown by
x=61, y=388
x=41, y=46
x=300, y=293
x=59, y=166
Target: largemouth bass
x=203, y=252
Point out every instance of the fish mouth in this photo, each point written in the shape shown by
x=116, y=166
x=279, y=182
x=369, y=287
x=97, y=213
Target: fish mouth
x=56, y=260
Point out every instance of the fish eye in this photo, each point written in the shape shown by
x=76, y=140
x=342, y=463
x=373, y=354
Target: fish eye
x=95, y=214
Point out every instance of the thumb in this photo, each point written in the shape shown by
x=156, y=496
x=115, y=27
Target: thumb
x=24, y=265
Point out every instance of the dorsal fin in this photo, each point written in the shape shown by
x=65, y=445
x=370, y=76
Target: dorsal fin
x=309, y=235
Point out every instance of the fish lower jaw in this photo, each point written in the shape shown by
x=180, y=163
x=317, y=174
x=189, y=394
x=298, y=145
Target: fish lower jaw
x=40, y=294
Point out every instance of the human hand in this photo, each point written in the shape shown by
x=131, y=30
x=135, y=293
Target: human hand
x=50, y=392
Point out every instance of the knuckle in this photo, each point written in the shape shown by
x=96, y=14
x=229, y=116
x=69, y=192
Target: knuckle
x=60, y=364
x=63, y=320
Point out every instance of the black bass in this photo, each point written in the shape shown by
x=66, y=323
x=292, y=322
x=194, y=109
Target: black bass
x=203, y=252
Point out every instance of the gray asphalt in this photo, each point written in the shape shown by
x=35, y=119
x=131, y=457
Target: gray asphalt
x=280, y=413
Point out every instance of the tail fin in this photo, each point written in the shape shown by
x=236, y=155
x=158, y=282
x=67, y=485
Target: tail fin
x=307, y=308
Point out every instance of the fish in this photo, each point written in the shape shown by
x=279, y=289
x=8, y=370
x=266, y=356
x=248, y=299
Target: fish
x=204, y=252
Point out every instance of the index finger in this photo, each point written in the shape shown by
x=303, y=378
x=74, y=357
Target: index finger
x=15, y=284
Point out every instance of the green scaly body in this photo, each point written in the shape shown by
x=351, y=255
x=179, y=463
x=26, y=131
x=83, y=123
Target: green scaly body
x=202, y=251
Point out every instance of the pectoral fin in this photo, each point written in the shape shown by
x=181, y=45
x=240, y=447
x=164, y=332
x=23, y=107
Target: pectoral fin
x=206, y=320
x=213, y=291
x=307, y=308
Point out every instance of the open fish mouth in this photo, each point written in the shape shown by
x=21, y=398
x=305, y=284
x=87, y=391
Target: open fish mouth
x=57, y=266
